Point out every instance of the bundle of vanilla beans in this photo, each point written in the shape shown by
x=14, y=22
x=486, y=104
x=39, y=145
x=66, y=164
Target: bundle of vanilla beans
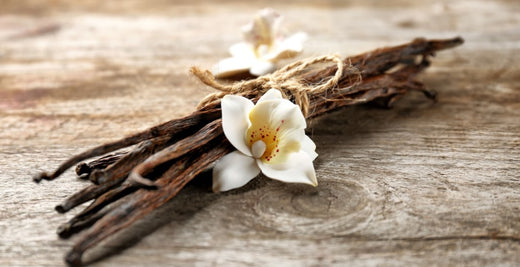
x=167, y=156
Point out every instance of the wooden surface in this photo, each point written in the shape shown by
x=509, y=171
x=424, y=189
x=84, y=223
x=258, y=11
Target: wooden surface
x=420, y=184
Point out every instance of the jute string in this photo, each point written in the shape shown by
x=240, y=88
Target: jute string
x=284, y=79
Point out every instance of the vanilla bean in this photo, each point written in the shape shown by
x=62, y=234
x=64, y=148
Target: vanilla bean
x=175, y=152
x=177, y=128
x=119, y=170
x=145, y=201
x=381, y=86
x=67, y=229
x=202, y=137
x=206, y=134
x=91, y=214
x=381, y=60
x=98, y=164
x=113, y=175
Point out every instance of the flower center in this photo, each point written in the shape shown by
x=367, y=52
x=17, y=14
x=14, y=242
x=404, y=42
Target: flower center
x=263, y=141
x=263, y=34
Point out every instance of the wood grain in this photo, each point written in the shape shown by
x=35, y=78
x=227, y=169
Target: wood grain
x=421, y=184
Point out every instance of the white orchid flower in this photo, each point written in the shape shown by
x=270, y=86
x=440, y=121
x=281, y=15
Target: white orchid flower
x=269, y=138
x=264, y=45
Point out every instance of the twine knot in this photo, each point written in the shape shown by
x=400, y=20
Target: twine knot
x=285, y=80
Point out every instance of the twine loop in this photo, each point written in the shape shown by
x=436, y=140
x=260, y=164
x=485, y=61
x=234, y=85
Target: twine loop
x=284, y=79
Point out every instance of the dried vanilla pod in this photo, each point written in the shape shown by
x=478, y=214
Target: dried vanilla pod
x=171, y=154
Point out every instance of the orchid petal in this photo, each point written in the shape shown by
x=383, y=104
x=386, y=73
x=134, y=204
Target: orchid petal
x=288, y=116
x=297, y=169
x=262, y=29
x=290, y=142
x=231, y=66
x=288, y=48
x=278, y=113
x=260, y=68
x=260, y=114
x=243, y=51
x=233, y=170
x=235, y=121
x=271, y=94
x=308, y=146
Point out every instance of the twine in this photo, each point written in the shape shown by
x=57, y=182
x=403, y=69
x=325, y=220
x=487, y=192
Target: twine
x=284, y=79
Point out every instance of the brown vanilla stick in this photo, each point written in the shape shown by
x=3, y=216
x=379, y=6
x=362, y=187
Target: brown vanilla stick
x=202, y=137
x=383, y=59
x=177, y=128
x=115, y=174
x=91, y=214
x=76, y=225
x=119, y=170
x=84, y=169
x=145, y=201
x=206, y=134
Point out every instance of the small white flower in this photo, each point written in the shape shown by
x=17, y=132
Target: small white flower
x=269, y=138
x=264, y=45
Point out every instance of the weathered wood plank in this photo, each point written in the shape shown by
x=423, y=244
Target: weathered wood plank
x=423, y=183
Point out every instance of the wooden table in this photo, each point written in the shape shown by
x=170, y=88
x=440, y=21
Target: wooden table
x=421, y=184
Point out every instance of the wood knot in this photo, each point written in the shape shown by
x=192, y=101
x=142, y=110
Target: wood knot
x=333, y=208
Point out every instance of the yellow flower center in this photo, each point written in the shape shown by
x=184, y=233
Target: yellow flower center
x=268, y=135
